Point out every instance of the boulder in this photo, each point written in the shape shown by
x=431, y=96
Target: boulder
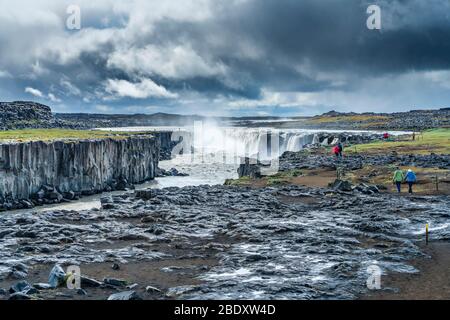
x=126, y=295
x=341, y=185
x=57, y=276
x=23, y=287
x=115, y=282
x=89, y=282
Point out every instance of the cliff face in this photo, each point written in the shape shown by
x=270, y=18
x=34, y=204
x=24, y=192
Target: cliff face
x=166, y=144
x=40, y=171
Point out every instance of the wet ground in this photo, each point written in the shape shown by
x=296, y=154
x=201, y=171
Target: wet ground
x=220, y=242
x=431, y=283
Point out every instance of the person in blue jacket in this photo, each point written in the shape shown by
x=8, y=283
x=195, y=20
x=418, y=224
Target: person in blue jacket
x=410, y=178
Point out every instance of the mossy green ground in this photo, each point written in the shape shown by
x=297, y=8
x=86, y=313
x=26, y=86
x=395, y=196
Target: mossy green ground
x=354, y=118
x=283, y=177
x=60, y=134
x=436, y=141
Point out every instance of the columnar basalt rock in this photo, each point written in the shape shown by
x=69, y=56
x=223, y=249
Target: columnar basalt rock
x=38, y=172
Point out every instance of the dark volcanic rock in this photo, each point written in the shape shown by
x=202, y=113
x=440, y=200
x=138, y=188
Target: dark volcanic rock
x=20, y=296
x=115, y=282
x=170, y=173
x=26, y=114
x=249, y=168
x=126, y=295
x=91, y=283
x=341, y=185
x=23, y=287
x=300, y=160
x=285, y=242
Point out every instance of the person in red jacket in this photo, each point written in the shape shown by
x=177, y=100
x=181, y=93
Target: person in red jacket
x=386, y=135
x=336, y=151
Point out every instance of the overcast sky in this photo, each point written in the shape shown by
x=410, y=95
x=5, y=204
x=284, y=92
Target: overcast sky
x=230, y=57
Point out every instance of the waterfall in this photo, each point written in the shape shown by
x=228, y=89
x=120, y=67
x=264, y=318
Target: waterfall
x=248, y=142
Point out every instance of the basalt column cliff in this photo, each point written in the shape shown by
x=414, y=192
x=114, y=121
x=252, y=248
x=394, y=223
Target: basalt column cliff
x=35, y=173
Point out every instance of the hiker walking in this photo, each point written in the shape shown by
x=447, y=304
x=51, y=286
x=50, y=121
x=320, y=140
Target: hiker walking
x=336, y=151
x=398, y=179
x=410, y=178
x=341, y=148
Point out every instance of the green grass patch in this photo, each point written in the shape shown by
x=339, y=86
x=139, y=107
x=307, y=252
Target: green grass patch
x=243, y=181
x=26, y=135
x=435, y=140
x=283, y=177
x=356, y=118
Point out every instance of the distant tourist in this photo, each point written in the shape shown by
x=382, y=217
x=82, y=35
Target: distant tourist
x=398, y=179
x=336, y=151
x=341, y=148
x=410, y=178
x=386, y=136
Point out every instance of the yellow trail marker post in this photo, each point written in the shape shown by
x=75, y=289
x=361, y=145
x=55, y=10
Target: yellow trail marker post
x=426, y=233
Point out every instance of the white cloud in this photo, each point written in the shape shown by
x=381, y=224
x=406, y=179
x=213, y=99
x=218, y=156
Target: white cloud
x=278, y=99
x=177, y=62
x=34, y=92
x=146, y=88
x=53, y=98
x=5, y=74
x=69, y=87
x=441, y=78
x=39, y=94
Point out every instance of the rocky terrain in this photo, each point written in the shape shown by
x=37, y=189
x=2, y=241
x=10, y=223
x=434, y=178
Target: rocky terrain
x=27, y=115
x=299, y=160
x=288, y=242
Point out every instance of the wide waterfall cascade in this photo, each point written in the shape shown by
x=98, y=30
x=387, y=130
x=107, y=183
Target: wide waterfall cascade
x=262, y=143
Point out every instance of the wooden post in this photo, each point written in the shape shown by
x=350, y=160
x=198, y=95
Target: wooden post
x=426, y=233
x=437, y=183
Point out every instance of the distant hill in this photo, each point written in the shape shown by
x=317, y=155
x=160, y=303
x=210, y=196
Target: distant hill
x=25, y=114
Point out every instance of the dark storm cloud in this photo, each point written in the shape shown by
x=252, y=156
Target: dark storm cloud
x=233, y=50
x=322, y=36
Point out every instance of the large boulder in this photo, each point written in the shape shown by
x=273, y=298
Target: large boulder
x=249, y=168
x=341, y=185
x=126, y=295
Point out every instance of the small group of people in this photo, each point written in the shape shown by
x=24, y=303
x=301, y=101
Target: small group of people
x=399, y=177
x=337, y=150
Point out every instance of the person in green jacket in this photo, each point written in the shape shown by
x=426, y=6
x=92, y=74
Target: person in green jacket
x=398, y=178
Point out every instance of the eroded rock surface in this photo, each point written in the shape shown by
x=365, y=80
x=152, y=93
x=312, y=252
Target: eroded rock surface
x=299, y=160
x=282, y=242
